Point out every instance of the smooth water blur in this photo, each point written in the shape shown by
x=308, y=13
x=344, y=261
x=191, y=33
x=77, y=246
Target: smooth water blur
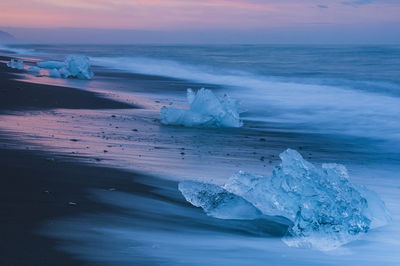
x=350, y=90
x=337, y=100
x=352, y=63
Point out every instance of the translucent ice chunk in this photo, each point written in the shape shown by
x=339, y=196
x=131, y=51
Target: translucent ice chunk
x=206, y=110
x=74, y=66
x=326, y=209
x=51, y=64
x=19, y=64
x=34, y=70
x=218, y=202
x=54, y=73
x=78, y=66
x=64, y=73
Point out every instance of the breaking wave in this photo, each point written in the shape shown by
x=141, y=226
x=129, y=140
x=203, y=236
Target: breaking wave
x=22, y=51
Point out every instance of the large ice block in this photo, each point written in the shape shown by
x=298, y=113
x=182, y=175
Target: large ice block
x=326, y=208
x=206, y=110
x=74, y=66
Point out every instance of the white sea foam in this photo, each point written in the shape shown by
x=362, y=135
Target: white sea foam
x=8, y=48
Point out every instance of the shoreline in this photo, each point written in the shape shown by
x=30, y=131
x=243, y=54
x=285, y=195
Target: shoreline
x=35, y=186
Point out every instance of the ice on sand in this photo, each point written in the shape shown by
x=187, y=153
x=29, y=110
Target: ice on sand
x=217, y=201
x=16, y=64
x=77, y=66
x=326, y=208
x=51, y=64
x=54, y=73
x=34, y=70
x=206, y=110
x=74, y=66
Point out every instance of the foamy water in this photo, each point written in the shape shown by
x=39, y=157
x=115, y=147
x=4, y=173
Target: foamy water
x=330, y=90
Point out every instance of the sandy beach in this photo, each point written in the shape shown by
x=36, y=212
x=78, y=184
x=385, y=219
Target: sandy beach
x=37, y=186
x=41, y=186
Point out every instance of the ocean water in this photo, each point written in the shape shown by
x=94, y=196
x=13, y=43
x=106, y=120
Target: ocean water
x=352, y=90
x=347, y=96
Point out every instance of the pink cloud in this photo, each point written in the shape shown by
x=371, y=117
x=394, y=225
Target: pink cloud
x=186, y=14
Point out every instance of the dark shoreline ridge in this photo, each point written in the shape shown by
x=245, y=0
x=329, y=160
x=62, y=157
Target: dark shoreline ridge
x=21, y=95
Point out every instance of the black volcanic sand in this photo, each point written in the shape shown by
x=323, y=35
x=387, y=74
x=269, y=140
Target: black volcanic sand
x=34, y=189
x=37, y=187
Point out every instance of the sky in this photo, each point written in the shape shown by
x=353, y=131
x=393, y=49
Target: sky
x=202, y=21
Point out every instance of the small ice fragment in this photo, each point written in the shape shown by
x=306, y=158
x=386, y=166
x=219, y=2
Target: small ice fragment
x=54, y=73
x=64, y=73
x=19, y=64
x=11, y=63
x=71, y=203
x=326, y=208
x=34, y=70
x=51, y=64
x=206, y=110
x=218, y=202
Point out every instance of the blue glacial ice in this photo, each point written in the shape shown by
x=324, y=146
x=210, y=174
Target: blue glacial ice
x=326, y=209
x=16, y=64
x=51, y=64
x=78, y=66
x=74, y=66
x=54, y=73
x=218, y=202
x=206, y=110
x=34, y=70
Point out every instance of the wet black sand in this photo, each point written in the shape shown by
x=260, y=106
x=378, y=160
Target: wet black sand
x=38, y=187
x=34, y=186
